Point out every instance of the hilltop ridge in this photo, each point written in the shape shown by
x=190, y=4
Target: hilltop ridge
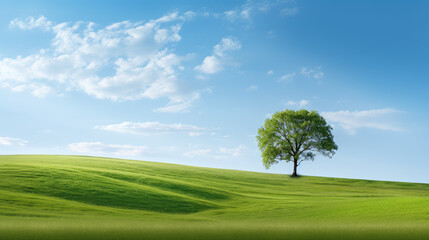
x=70, y=186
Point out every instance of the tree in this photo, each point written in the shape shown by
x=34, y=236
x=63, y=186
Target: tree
x=295, y=136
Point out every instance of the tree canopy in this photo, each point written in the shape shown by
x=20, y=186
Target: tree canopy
x=295, y=136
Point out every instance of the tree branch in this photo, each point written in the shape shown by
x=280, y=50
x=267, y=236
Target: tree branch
x=305, y=149
x=290, y=143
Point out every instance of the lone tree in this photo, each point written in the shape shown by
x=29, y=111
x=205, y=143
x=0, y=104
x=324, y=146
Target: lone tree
x=295, y=136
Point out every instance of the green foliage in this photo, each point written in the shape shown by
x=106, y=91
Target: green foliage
x=295, y=136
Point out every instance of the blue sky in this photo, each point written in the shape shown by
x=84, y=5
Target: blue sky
x=191, y=82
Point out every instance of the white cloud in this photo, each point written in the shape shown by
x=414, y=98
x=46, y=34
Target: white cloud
x=37, y=90
x=99, y=148
x=179, y=103
x=12, y=141
x=252, y=8
x=226, y=45
x=299, y=104
x=287, y=77
x=220, y=153
x=289, y=11
x=210, y=65
x=231, y=15
x=195, y=134
x=215, y=62
x=150, y=128
x=197, y=153
x=232, y=152
x=245, y=13
x=318, y=75
x=252, y=88
x=306, y=72
x=270, y=72
x=122, y=61
x=352, y=120
x=312, y=73
x=190, y=14
x=30, y=23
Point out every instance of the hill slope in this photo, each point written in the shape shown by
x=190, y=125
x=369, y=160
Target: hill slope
x=77, y=186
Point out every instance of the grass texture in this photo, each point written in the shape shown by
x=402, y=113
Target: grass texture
x=78, y=197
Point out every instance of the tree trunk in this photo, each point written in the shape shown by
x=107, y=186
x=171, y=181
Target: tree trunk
x=295, y=166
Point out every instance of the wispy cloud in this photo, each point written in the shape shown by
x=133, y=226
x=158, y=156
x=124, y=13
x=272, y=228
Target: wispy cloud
x=219, y=153
x=289, y=11
x=12, y=141
x=251, y=8
x=252, y=88
x=353, y=120
x=180, y=103
x=37, y=90
x=99, y=148
x=197, y=153
x=215, y=62
x=151, y=128
x=299, y=104
x=287, y=77
x=231, y=152
x=140, y=54
x=30, y=23
x=312, y=73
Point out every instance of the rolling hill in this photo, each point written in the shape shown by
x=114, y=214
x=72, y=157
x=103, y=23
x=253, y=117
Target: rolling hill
x=59, y=191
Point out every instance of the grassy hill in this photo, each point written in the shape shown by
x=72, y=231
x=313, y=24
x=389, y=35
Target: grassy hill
x=46, y=196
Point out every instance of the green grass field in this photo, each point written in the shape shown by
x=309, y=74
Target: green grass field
x=77, y=197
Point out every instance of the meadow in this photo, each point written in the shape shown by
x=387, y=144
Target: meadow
x=80, y=197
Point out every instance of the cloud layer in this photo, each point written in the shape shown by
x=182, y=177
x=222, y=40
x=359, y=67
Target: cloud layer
x=12, y=141
x=215, y=62
x=151, y=128
x=250, y=9
x=352, y=120
x=98, y=148
x=299, y=104
x=219, y=153
x=312, y=73
x=123, y=61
